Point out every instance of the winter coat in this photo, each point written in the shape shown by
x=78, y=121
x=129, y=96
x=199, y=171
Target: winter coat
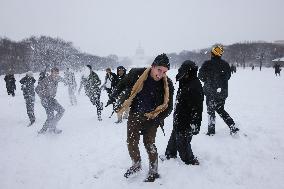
x=28, y=87
x=189, y=105
x=215, y=74
x=91, y=84
x=10, y=82
x=112, y=78
x=47, y=88
x=128, y=82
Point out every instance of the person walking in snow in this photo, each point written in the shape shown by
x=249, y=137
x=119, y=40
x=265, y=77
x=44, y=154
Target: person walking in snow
x=47, y=90
x=121, y=73
x=110, y=82
x=215, y=74
x=10, y=84
x=277, y=69
x=69, y=77
x=150, y=102
x=28, y=89
x=187, y=114
x=92, y=90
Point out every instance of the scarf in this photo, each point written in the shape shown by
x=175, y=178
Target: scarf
x=138, y=86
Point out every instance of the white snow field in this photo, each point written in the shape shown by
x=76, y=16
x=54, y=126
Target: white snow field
x=92, y=154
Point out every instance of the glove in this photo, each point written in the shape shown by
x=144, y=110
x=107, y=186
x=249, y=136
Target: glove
x=219, y=90
x=194, y=129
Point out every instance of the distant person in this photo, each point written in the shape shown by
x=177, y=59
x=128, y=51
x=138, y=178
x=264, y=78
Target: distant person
x=252, y=68
x=92, y=90
x=277, y=69
x=47, y=90
x=110, y=81
x=187, y=114
x=215, y=74
x=10, y=84
x=28, y=88
x=233, y=69
x=70, y=80
x=150, y=102
x=121, y=73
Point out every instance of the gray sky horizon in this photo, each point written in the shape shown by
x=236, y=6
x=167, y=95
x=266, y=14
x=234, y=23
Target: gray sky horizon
x=119, y=26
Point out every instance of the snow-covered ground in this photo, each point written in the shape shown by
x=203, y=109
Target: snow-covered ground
x=93, y=154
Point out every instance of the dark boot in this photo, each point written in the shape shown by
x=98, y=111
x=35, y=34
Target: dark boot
x=233, y=130
x=211, y=131
x=152, y=177
x=193, y=161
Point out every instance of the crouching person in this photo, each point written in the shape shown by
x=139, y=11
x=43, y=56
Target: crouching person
x=47, y=90
x=187, y=114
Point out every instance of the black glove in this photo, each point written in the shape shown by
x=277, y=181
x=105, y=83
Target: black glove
x=194, y=129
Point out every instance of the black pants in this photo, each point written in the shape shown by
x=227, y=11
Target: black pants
x=180, y=142
x=30, y=104
x=214, y=104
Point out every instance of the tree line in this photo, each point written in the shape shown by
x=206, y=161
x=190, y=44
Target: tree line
x=241, y=54
x=40, y=53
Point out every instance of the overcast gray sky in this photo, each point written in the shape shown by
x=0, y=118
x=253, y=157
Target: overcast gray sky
x=117, y=26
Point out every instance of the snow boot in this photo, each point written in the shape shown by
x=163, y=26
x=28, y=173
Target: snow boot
x=193, y=161
x=152, y=177
x=136, y=167
x=233, y=130
x=211, y=131
x=42, y=131
x=118, y=121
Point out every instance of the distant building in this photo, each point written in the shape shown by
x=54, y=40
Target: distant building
x=140, y=59
x=140, y=53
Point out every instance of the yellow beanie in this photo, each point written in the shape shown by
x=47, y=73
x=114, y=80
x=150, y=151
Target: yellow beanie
x=218, y=50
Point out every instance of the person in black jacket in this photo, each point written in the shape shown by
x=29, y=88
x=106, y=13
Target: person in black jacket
x=10, y=84
x=187, y=114
x=121, y=73
x=110, y=81
x=277, y=69
x=28, y=88
x=215, y=74
x=150, y=102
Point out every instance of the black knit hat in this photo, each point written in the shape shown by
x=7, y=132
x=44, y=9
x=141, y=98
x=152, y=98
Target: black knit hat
x=162, y=60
